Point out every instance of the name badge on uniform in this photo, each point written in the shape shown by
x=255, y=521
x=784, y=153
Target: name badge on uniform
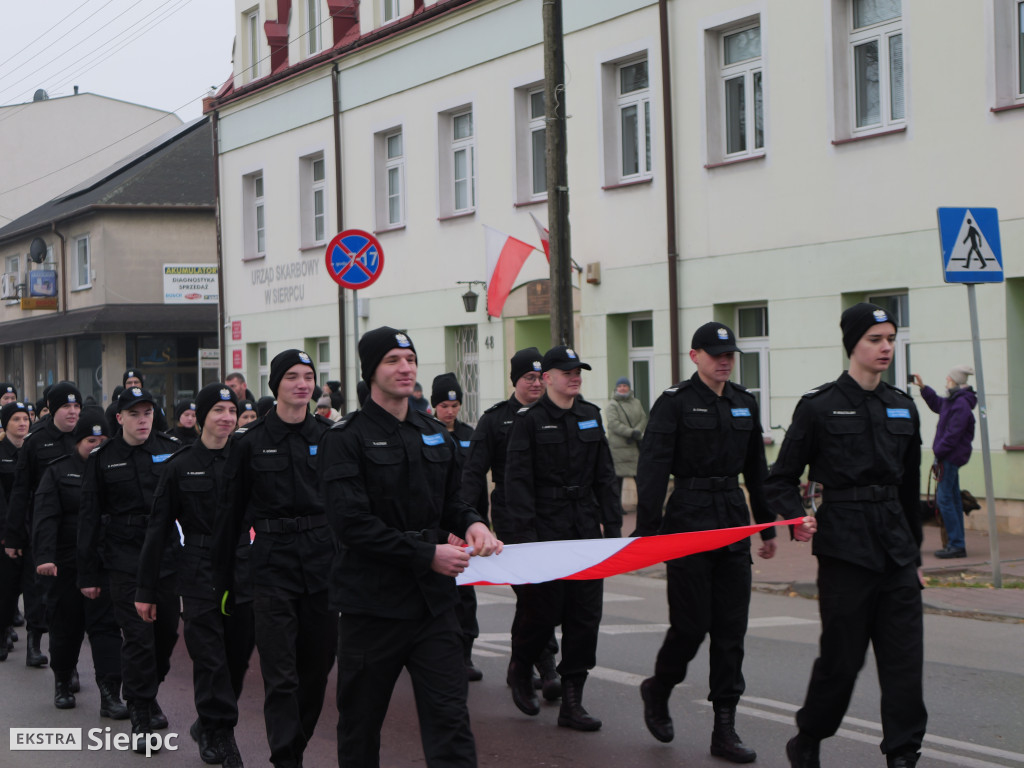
x=897, y=413
x=738, y=412
x=160, y=457
x=312, y=450
x=591, y=424
x=464, y=443
x=434, y=439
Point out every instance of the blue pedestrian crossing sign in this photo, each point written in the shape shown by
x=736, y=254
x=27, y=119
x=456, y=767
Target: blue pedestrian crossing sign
x=971, y=252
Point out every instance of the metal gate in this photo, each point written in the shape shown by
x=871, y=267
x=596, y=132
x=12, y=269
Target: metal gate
x=467, y=371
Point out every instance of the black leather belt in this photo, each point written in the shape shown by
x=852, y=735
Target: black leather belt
x=708, y=483
x=563, y=492
x=861, y=493
x=135, y=521
x=198, y=540
x=290, y=524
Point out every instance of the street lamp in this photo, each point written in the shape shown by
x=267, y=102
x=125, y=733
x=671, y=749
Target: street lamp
x=469, y=298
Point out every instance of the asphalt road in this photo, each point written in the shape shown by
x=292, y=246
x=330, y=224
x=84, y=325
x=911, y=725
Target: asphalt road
x=974, y=680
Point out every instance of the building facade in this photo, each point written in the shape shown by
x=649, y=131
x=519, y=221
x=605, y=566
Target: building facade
x=808, y=149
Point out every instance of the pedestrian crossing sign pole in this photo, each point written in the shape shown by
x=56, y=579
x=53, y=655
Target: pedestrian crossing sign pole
x=971, y=254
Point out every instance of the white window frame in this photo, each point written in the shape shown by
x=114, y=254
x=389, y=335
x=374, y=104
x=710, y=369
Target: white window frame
x=254, y=212
x=313, y=200
x=263, y=369
x=641, y=354
x=901, y=353
x=613, y=102
x=12, y=265
x=389, y=177
x=252, y=47
x=1006, y=48
x=760, y=346
x=323, y=360
x=390, y=11
x=881, y=33
x=76, y=283
x=311, y=12
x=525, y=127
x=536, y=125
x=449, y=149
x=719, y=74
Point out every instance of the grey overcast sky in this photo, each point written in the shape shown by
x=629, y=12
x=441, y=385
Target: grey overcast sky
x=158, y=53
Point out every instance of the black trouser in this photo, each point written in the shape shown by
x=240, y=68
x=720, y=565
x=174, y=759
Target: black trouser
x=576, y=605
x=296, y=634
x=10, y=588
x=465, y=611
x=72, y=615
x=33, y=588
x=216, y=646
x=371, y=654
x=146, y=652
x=859, y=606
x=708, y=594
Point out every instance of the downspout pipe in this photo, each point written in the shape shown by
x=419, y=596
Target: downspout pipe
x=339, y=211
x=63, y=292
x=670, y=191
x=221, y=339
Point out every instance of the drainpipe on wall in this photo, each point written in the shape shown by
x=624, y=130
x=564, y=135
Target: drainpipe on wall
x=670, y=192
x=63, y=295
x=222, y=369
x=339, y=215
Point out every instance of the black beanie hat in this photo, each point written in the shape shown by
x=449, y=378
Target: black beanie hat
x=133, y=373
x=526, y=361
x=62, y=393
x=445, y=387
x=91, y=423
x=264, y=405
x=9, y=410
x=246, y=405
x=282, y=362
x=7, y=388
x=377, y=343
x=856, y=321
x=208, y=397
x=181, y=407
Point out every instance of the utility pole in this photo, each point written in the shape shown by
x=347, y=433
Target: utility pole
x=557, y=176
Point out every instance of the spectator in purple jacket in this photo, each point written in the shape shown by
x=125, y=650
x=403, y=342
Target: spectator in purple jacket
x=952, y=449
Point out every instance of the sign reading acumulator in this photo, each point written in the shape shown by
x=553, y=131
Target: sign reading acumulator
x=190, y=284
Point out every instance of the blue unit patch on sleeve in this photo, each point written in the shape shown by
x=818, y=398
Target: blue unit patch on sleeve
x=464, y=443
x=737, y=412
x=312, y=450
x=434, y=439
x=591, y=424
x=897, y=413
x=160, y=457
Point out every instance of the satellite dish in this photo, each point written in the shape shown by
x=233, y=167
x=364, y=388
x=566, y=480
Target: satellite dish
x=37, y=250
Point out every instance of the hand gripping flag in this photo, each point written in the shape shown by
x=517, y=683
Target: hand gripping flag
x=597, y=558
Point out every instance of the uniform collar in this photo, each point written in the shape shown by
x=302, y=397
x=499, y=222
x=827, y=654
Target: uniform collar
x=856, y=394
x=414, y=418
x=278, y=430
x=707, y=394
x=555, y=411
x=205, y=456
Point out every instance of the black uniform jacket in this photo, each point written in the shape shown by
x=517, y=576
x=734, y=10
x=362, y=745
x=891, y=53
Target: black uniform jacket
x=39, y=449
x=8, y=467
x=693, y=434
x=487, y=452
x=184, y=435
x=270, y=479
x=463, y=435
x=55, y=517
x=559, y=475
x=391, y=489
x=855, y=439
x=117, y=496
x=189, y=490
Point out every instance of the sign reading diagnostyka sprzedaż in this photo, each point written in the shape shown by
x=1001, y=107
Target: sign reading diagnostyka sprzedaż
x=190, y=284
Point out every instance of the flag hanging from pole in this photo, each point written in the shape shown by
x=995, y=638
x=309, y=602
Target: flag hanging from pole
x=597, y=558
x=545, y=240
x=505, y=257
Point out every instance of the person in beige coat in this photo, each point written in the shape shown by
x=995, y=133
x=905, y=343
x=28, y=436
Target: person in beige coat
x=625, y=422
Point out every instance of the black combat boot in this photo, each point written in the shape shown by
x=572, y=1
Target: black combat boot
x=520, y=679
x=724, y=740
x=906, y=760
x=63, y=698
x=19, y=619
x=76, y=683
x=656, y=715
x=157, y=718
x=34, y=657
x=225, y=738
x=6, y=644
x=209, y=746
x=12, y=638
x=110, y=698
x=802, y=752
x=473, y=673
x=572, y=714
x=551, y=683
x=138, y=711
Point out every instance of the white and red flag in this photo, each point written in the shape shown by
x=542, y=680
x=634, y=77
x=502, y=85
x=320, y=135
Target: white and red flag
x=545, y=239
x=597, y=558
x=505, y=257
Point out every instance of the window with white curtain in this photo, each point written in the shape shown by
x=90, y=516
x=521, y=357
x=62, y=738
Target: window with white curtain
x=876, y=59
x=634, y=108
x=742, y=92
x=394, y=179
x=463, y=162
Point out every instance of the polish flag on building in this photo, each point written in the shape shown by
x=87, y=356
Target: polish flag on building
x=597, y=558
x=505, y=257
x=545, y=240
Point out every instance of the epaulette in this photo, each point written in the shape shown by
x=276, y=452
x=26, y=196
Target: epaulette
x=524, y=409
x=240, y=431
x=672, y=391
x=326, y=422
x=51, y=462
x=818, y=390
x=740, y=387
x=349, y=418
x=899, y=391
x=496, y=406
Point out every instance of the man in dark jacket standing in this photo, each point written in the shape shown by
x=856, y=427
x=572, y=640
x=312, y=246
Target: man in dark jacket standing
x=560, y=485
x=117, y=494
x=704, y=431
x=952, y=449
x=390, y=482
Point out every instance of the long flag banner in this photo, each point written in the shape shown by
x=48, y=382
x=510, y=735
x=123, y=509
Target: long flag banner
x=597, y=558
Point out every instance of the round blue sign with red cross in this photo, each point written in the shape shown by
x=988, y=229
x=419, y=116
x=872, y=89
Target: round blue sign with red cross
x=354, y=259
